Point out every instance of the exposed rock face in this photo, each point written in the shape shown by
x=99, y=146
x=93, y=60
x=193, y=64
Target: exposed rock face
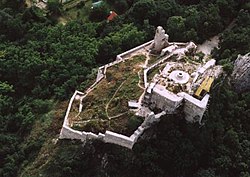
x=241, y=73
x=160, y=40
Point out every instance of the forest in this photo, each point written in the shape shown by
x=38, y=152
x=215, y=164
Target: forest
x=43, y=61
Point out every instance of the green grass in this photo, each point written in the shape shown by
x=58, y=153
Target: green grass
x=151, y=74
x=73, y=12
x=152, y=59
x=116, y=90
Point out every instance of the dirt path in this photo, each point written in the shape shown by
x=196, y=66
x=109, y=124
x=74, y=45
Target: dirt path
x=29, y=3
x=209, y=45
x=107, y=105
x=213, y=42
x=62, y=20
x=144, y=66
x=147, y=58
x=116, y=116
x=139, y=82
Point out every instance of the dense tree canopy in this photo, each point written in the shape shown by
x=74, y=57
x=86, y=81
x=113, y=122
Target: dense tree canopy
x=122, y=40
x=55, y=7
x=98, y=14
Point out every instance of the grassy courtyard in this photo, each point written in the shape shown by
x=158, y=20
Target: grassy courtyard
x=106, y=107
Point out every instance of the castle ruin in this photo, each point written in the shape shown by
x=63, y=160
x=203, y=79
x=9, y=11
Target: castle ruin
x=176, y=78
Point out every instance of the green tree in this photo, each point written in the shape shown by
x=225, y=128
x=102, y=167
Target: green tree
x=98, y=14
x=6, y=101
x=206, y=173
x=227, y=9
x=142, y=10
x=16, y=5
x=121, y=6
x=55, y=7
x=113, y=44
x=11, y=26
x=176, y=27
x=193, y=17
x=212, y=21
x=165, y=9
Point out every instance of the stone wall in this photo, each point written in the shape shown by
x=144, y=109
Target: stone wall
x=108, y=137
x=166, y=103
x=111, y=137
x=165, y=100
x=65, y=122
x=69, y=133
x=115, y=138
x=194, y=108
x=119, y=58
x=147, y=70
x=124, y=54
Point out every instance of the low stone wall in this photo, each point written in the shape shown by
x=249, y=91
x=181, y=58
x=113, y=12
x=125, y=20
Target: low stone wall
x=69, y=133
x=115, y=138
x=151, y=119
x=111, y=137
x=65, y=122
x=145, y=72
x=108, y=137
x=120, y=56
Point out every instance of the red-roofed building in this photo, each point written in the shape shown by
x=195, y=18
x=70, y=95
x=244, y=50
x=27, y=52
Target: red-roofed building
x=111, y=16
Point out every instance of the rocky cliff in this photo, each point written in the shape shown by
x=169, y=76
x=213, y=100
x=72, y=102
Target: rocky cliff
x=241, y=73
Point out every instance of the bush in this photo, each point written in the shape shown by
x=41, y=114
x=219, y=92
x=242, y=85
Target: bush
x=133, y=123
x=80, y=4
x=98, y=14
x=41, y=106
x=228, y=68
x=55, y=7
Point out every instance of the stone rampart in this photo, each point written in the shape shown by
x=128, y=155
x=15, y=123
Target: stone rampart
x=165, y=100
x=112, y=137
x=194, y=108
x=65, y=122
x=108, y=137
x=69, y=133
x=120, y=56
x=115, y=138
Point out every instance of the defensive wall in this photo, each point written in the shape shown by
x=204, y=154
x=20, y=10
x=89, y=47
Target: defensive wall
x=164, y=99
x=108, y=136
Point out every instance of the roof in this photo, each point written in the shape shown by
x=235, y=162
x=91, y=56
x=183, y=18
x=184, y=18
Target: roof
x=112, y=15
